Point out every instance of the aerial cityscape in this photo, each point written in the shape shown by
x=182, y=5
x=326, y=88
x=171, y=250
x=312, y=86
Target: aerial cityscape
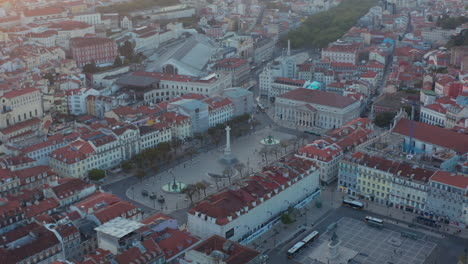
x=234, y=132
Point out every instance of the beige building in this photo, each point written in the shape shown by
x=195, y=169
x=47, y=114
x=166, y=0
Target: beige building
x=20, y=105
x=305, y=108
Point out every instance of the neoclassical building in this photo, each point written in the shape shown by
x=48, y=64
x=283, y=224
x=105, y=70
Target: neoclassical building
x=311, y=108
x=19, y=105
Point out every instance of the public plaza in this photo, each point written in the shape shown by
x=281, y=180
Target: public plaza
x=369, y=245
x=204, y=167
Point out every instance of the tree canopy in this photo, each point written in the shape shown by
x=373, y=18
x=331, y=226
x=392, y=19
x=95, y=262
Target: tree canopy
x=322, y=28
x=96, y=174
x=384, y=119
x=459, y=39
x=447, y=22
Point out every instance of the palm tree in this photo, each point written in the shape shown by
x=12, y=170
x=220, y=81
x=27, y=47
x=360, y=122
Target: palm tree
x=175, y=144
x=200, y=137
x=240, y=168
x=191, y=152
x=228, y=172
x=264, y=153
x=275, y=150
x=201, y=186
x=189, y=191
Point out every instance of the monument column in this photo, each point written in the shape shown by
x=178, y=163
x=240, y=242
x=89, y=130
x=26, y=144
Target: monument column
x=227, y=150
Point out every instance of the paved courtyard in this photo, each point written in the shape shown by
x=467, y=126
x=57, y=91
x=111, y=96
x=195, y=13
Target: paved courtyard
x=245, y=149
x=373, y=245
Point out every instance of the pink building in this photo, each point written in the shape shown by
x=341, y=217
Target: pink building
x=87, y=50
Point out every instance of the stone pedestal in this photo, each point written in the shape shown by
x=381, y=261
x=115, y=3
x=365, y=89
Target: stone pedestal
x=334, y=249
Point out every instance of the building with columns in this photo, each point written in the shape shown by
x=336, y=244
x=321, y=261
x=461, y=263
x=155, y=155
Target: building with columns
x=305, y=108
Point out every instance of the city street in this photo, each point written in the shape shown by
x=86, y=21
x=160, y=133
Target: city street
x=451, y=246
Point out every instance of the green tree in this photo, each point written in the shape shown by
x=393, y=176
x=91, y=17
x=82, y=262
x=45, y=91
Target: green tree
x=228, y=172
x=459, y=39
x=140, y=174
x=96, y=174
x=286, y=219
x=126, y=166
x=127, y=50
x=328, y=26
x=189, y=191
x=90, y=68
x=408, y=111
x=447, y=22
x=155, y=168
x=117, y=62
x=384, y=119
x=240, y=168
x=50, y=77
x=201, y=186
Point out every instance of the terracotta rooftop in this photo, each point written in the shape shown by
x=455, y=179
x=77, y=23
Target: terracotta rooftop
x=230, y=63
x=456, y=180
x=235, y=253
x=318, y=97
x=45, y=11
x=434, y=135
x=69, y=187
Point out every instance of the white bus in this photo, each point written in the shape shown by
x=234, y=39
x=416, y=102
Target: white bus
x=310, y=237
x=292, y=252
x=372, y=221
x=353, y=204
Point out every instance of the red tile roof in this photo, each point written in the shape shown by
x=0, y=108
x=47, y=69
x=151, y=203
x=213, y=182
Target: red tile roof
x=40, y=240
x=369, y=74
x=26, y=175
x=19, y=92
x=69, y=187
x=69, y=25
x=318, y=97
x=136, y=255
x=398, y=169
x=174, y=241
x=217, y=102
x=166, y=76
x=289, y=81
x=230, y=63
x=96, y=201
x=321, y=150
x=42, y=207
x=18, y=126
x=224, y=205
x=435, y=135
x=45, y=11
x=436, y=107
x=76, y=151
x=113, y=211
x=456, y=180
x=236, y=254
x=82, y=42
